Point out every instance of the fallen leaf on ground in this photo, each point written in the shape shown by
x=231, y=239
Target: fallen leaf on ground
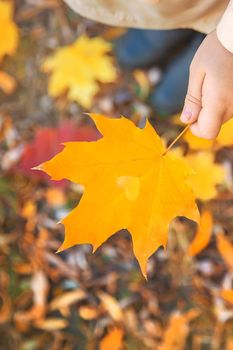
x=67, y=299
x=224, y=139
x=48, y=141
x=203, y=234
x=55, y=197
x=29, y=210
x=111, y=305
x=78, y=68
x=177, y=331
x=5, y=307
x=227, y=295
x=40, y=288
x=207, y=174
x=113, y=340
x=129, y=183
x=52, y=324
x=197, y=143
x=88, y=312
x=9, y=35
x=7, y=83
x=225, y=248
x=229, y=344
x=225, y=136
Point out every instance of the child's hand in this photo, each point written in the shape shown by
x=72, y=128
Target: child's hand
x=209, y=101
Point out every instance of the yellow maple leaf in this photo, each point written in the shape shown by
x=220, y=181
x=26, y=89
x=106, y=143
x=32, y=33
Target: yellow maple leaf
x=197, y=143
x=78, y=68
x=130, y=182
x=9, y=35
x=224, y=139
x=203, y=234
x=225, y=136
x=206, y=174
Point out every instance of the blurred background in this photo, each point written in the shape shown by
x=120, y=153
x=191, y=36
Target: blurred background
x=55, y=65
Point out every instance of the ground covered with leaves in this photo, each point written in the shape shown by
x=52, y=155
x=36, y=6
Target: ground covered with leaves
x=54, y=67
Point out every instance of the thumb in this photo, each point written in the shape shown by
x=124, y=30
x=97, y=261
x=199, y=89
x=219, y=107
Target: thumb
x=193, y=100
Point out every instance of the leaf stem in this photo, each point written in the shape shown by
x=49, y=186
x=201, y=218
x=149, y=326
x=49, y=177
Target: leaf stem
x=176, y=139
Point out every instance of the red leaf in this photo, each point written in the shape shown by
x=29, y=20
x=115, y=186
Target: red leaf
x=48, y=142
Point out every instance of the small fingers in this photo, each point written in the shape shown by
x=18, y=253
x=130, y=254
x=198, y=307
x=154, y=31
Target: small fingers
x=209, y=122
x=191, y=109
x=193, y=100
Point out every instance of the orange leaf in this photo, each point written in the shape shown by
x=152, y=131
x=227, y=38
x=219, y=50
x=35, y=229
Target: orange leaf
x=229, y=344
x=113, y=340
x=88, y=312
x=29, y=210
x=203, y=234
x=55, y=197
x=5, y=308
x=129, y=183
x=225, y=248
x=177, y=331
x=7, y=83
x=227, y=295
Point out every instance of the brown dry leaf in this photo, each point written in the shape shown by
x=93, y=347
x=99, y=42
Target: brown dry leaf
x=6, y=240
x=5, y=126
x=40, y=289
x=25, y=319
x=113, y=340
x=111, y=305
x=5, y=307
x=225, y=248
x=227, y=295
x=7, y=83
x=131, y=319
x=203, y=234
x=67, y=299
x=23, y=268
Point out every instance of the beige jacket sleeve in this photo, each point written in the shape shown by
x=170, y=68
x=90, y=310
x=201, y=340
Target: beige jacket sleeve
x=225, y=28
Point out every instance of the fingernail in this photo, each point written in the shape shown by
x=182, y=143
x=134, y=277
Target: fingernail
x=186, y=116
